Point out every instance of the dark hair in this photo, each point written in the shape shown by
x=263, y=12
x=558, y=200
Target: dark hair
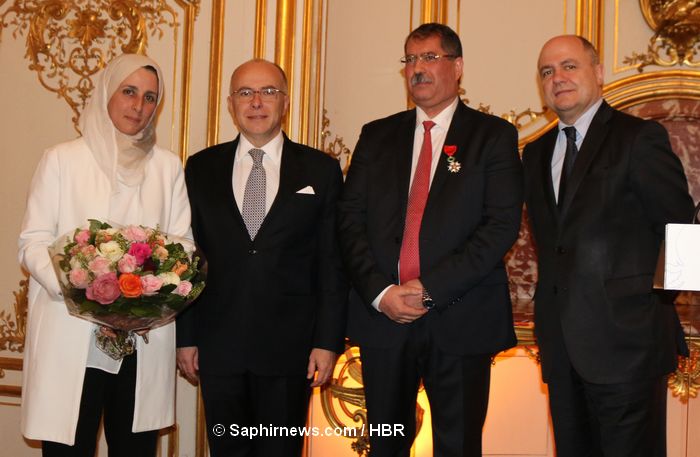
x=590, y=49
x=449, y=40
x=151, y=68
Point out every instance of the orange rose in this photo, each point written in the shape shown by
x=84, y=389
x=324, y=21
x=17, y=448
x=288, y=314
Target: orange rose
x=130, y=285
x=179, y=268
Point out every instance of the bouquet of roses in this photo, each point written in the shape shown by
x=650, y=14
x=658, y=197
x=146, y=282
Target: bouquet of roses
x=129, y=279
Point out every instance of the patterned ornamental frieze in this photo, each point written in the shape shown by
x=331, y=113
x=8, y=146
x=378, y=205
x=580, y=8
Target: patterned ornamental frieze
x=67, y=42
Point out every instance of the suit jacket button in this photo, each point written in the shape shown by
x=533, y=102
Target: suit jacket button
x=252, y=252
x=561, y=250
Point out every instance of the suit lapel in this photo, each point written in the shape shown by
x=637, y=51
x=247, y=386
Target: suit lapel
x=403, y=145
x=595, y=135
x=458, y=133
x=291, y=180
x=226, y=180
x=548, y=142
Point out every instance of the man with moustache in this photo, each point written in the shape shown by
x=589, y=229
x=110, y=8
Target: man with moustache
x=273, y=312
x=600, y=188
x=431, y=203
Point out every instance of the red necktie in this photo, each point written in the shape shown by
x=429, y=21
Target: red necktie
x=409, y=260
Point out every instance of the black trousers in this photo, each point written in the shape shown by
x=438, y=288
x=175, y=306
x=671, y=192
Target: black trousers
x=252, y=416
x=457, y=389
x=607, y=420
x=113, y=396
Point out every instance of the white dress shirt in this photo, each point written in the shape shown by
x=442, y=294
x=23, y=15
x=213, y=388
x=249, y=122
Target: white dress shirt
x=243, y=164
x=581, y=125
x=437, y=136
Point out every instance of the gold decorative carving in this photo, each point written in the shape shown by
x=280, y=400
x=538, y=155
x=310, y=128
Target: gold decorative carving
x=69, y=41
x=685, y=382
x=676, y=40
x=520, y=120
x=346, y=388
x=13, y=327
x=348, y=397
x=336, y=148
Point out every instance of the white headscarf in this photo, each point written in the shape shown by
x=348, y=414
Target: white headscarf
x=121, y=157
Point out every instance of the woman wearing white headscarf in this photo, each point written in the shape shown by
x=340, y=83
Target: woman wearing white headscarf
x=115, y=173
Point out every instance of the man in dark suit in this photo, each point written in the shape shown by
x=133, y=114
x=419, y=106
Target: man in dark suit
x=273, y=311
x=600, y=188
x=431, y=203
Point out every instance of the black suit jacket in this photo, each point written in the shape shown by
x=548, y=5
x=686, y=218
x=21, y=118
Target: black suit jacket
x=471, y=219
x=597, y=255
x=267, y=302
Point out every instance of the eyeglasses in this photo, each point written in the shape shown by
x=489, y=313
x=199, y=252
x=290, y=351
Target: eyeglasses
x=266, y=94
x=427, y=57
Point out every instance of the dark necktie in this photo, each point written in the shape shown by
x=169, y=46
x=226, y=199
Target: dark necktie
x=409, y=259
x=569, y=159
x=254, y=195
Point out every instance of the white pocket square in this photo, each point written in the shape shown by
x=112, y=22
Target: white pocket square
x=307, y=190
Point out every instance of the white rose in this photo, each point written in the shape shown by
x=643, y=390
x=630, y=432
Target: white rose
x=111, y=250
x=169, y=277
x=75, y=263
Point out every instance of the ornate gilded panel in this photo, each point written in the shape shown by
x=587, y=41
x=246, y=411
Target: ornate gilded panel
x=676, y=40
x=69, y=41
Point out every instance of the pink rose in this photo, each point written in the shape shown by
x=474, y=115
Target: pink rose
x=135, y=233
x=141, y=251
x=104, y=289
x=88, y=251
x=100, y=266
x=82, y=237
x=127, y=264
x=79, y=278
x=150, y=284
x=183, y=288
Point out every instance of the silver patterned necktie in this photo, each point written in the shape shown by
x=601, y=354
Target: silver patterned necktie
x=254, y=195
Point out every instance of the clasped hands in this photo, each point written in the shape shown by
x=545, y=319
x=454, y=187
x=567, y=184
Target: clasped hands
x=404, y=303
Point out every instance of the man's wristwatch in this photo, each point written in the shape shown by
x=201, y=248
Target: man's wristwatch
x=428, y=302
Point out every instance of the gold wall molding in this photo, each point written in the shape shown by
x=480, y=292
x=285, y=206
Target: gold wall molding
x=648, y=87
x=284, y=48
x=260, y=29
x=434, y=11
x=676, y=39
x=589, y=22
x=69, y=41
x=215, y=70
x=13, y=325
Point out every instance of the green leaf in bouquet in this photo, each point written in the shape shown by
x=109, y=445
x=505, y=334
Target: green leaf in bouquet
x=89, y=306
x=176, y=250
x=167, y=265
x=167, y=289
x=64, y=264
x=176, y=302
x=145, y=311
x=96, y=225
x=197, y=289
x=122, y=306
